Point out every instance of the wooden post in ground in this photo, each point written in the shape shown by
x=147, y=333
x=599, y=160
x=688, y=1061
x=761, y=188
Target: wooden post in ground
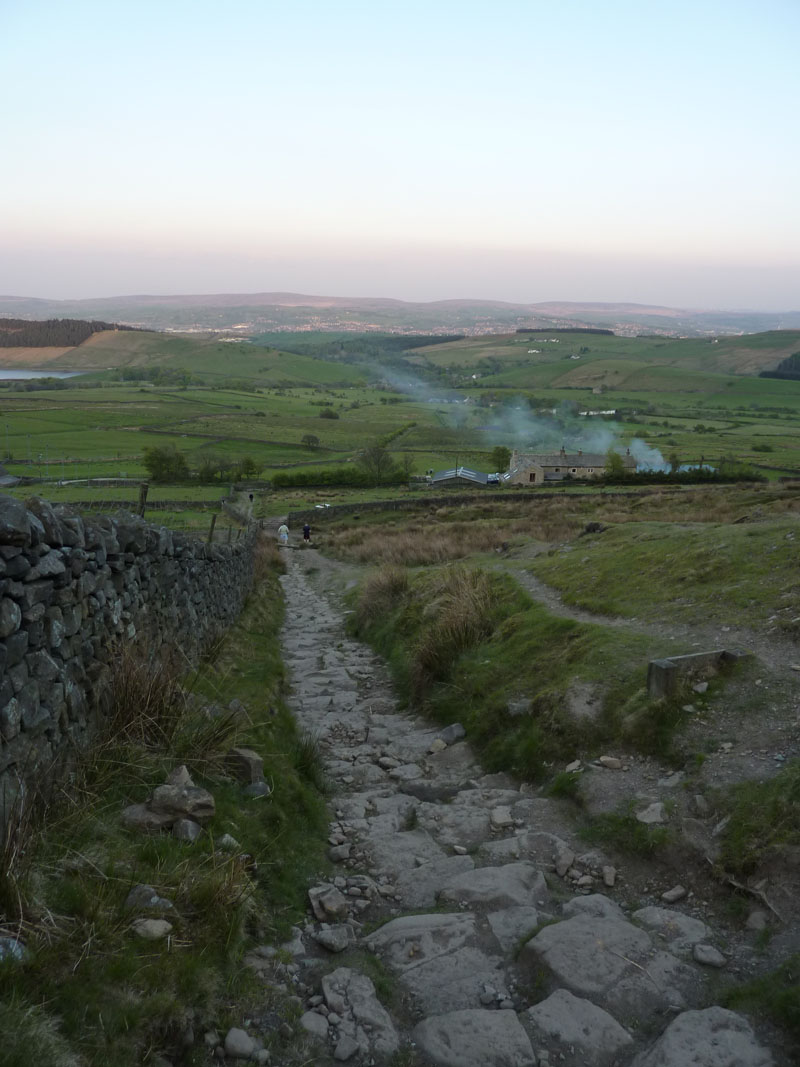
x=230, y=530
x=211, y=527
x=143, y=488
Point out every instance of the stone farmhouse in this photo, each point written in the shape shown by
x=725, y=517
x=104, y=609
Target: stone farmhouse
x=529, y=468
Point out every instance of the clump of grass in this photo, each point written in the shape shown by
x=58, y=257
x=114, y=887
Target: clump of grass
x=461, y=613
x=148, y=700
x=307, y=757
x=267, y=559
x=622, y=830
x=31, y=1036
x=775, y=995
x=566, y=784
x=380, y=593
x=763, y=817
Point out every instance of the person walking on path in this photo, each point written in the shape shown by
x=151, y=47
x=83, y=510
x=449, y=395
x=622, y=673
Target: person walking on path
x=306, y=532
x=283, y=534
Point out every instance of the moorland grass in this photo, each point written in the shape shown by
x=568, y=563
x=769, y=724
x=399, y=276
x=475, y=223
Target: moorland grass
x=465, y=643
x=744, y=574
x=763, y=818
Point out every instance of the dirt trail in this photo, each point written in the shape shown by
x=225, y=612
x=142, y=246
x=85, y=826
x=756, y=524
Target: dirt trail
x=775, y=653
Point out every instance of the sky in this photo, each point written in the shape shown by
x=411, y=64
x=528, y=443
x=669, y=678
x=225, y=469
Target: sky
x=521, y=150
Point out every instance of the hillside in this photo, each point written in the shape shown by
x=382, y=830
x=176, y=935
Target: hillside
x=300, y=311
x=50, y=333
x=518, y=354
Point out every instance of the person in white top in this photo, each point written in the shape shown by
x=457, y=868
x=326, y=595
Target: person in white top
x=283, y=534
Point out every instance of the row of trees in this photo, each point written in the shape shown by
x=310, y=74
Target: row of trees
x=51, y=333
x=167, y=464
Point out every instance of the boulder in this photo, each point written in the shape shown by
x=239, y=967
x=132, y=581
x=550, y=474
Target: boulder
x=182, y=802
x=714, y=1037
x=239, y=1045
x=575, y=1029
x=245, y=765
x=474, y=1039
x=15, y=522
x=512, y=885
x=151, y=929
x=327, y=902
x=679, y=931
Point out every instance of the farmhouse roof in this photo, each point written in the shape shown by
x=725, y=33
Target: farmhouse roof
x=460, y=472
x=563, y=459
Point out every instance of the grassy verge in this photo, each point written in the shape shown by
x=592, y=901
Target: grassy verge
x=763, y=817
x=720, y=572
x=90, y=992
x=471, y=646
x=775, y=996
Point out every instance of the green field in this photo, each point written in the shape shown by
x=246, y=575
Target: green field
x=432, y=407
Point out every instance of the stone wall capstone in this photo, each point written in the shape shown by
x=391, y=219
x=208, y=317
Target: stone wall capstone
x=72, y=592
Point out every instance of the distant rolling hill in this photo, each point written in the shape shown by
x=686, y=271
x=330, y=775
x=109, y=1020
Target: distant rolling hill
x=574, y=360
x=263, y=312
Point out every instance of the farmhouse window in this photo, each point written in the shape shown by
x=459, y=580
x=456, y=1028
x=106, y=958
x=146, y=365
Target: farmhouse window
x=574, y=470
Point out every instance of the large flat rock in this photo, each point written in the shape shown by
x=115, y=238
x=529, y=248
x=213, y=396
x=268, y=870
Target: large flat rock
x=680, y=932
x=588, y=955
x=474, y=1039
x=440, y=960
x=395, y=852
x=512, y=885
x=418, y=888
x=575, y=1030
x=714, y=1037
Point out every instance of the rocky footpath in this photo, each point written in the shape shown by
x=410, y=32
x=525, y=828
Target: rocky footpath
x=465, y=927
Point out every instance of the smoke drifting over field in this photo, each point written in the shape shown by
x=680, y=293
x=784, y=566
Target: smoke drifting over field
x=518, y=427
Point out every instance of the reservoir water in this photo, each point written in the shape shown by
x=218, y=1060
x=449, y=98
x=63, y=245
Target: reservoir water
x=23, y=373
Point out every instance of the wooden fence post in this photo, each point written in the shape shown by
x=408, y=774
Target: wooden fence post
x=143, y=488
x=211, y=528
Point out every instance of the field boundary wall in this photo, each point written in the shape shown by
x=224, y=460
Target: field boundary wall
x=74, y=593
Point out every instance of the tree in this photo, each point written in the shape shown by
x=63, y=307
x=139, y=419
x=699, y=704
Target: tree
x=377, y=463
x=328, y=413
x=500, y=458
x=615, y=468
x=674, y=462
x=166, y=464
x=247, y=468
x=310, y=440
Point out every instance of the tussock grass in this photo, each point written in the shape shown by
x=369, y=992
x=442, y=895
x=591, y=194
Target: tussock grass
x=623, y=831
x=453, y=533
x=775, y=996
x=463, y=643
x=764, y=816
x=460, y=610
x=31, y=1036
x=379, y=593
x=742, y=572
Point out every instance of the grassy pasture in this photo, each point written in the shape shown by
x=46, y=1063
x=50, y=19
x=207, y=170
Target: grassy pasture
x=690, y=398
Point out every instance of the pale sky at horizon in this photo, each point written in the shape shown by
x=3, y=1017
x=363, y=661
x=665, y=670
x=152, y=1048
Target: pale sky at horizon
x=511, y=150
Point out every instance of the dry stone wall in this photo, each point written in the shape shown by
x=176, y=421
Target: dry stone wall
x=73, y=592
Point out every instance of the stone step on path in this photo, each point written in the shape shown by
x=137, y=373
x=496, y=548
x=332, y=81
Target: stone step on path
x=492, y=926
